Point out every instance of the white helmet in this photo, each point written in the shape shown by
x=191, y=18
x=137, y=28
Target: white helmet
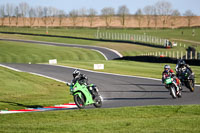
x=167, y=67
x=76, y=73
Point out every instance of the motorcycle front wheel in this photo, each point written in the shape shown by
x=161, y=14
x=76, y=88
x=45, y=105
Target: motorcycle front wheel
x=173, y=92
x=191, y=85
x=79, y=101
x=97, y=102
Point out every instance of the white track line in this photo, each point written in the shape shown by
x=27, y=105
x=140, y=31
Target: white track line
x=33, y=73
x=10, y=68
x=47, y=77
x=100, y=53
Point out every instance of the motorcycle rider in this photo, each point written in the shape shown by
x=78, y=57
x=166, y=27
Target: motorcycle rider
x=77, y=76
x=181, y=66
x=169, y=72
x=81, y=78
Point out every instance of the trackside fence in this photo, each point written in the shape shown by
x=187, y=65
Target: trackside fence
x=148, y=39
x=175, y=54
x=130, y=37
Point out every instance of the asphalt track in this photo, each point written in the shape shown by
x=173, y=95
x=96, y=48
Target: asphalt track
x=117, y=90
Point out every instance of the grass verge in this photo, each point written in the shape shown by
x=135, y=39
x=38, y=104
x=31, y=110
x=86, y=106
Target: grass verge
x=26, y=90
x=182, y=33
x=22, y=90
x=117, y=120
x=126, y=49
x=18, y=52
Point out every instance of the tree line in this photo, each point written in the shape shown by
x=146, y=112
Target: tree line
x=161, y=11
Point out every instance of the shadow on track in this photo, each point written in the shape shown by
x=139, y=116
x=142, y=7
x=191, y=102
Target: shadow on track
x=22, y=105
x=147, y=98
x=139, y=91
x=142, y=84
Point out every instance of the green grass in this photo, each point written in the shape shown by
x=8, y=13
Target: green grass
x=18, y=52
x=20, y=90
x=26, y=90
x=126, y=49
x=90, y=32
x=128, y=119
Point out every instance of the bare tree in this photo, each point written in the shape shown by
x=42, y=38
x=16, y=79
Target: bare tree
x=17, y=15
x=45, y=17
x=123, y=12
x=91, y=15
x=189, y=15
x=107, y=14
x=148, y=11
x=52, y=13
x=9, y=12
x=155, y=16
x=24, y=8
x=82, y=15
x=73, y=15
x=39, y=14
x=139, y=16
x=61, y=16
x=32, y=16
x=164, y=10
x=2, y=14
x=175, y=14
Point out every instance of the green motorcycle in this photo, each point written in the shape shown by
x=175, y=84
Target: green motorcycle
x=172, y=87
x=85, y=95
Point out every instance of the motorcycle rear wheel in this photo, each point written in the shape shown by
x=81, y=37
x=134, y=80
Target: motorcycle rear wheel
x=179, y=94
x=79, y=101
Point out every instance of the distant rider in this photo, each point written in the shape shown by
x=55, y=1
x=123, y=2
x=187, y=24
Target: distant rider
x=169, y=72
x=181, y=66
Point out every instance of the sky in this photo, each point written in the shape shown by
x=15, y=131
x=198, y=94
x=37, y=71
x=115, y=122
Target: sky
x=133, y=5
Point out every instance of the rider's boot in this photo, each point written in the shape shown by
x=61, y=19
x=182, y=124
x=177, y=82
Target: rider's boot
x=180, y=87
x=91, y=91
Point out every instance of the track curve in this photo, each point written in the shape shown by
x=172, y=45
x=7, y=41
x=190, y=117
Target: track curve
x=109, y=54
x=117, y=90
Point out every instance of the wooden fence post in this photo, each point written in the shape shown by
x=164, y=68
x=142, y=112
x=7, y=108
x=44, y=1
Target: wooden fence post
x=177, y=54
x=186, y=55
x=181, y=54
x=195, y=55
